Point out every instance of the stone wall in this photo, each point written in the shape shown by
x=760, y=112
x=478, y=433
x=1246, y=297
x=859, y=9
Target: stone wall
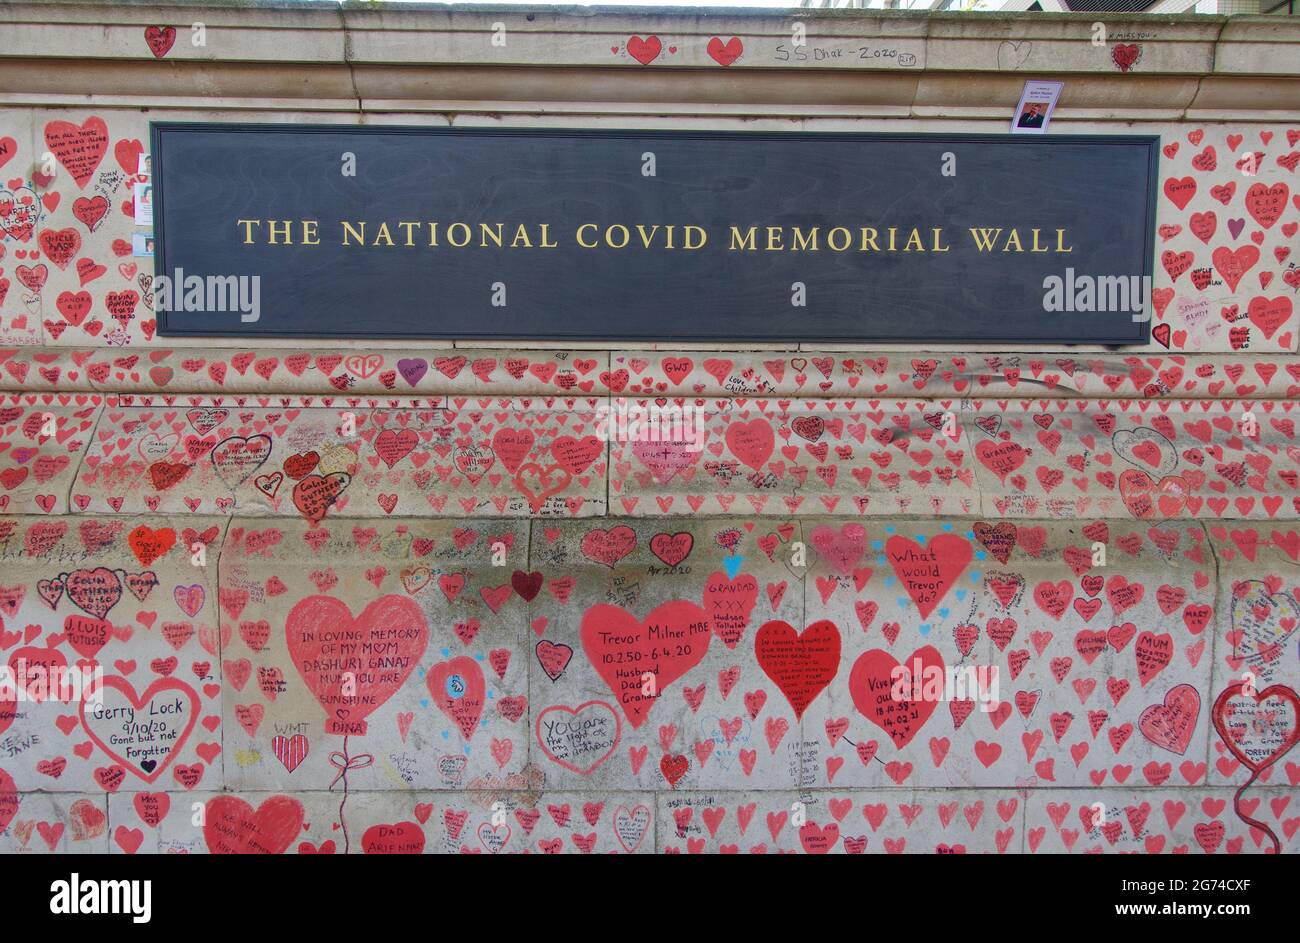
x=1114, y=531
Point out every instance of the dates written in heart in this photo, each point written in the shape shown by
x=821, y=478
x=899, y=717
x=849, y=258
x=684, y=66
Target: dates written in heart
x=142, y=732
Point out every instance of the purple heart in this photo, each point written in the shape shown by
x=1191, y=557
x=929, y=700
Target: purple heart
x=1235, y=226
x=412, y=370
x=190, y=598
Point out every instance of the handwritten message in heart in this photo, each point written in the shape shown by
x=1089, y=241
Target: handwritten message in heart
x=143, y=732
x=354, y=664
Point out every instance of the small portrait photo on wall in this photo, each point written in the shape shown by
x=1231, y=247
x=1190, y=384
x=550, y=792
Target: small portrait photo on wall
x=1034, y=111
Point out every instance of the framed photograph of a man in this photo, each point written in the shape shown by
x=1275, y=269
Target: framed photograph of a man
x=1035, y=108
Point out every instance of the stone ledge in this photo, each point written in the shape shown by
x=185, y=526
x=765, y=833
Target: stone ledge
x=392, y=375
x=374, y=53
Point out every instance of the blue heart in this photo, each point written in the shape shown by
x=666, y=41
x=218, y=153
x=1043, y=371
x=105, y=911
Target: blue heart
x=925, y=628
x=733, y=565
x=943, y=613
x=424, y=702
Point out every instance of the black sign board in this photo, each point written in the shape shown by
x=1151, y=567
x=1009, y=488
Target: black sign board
x=376, y=232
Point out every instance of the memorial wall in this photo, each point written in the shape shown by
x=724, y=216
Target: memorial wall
x=503, y=430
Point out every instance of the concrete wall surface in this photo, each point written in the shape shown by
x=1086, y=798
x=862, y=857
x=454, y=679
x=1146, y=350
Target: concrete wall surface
x=1096, y=552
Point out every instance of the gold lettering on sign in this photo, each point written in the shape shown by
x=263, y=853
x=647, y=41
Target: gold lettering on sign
x=617, y=236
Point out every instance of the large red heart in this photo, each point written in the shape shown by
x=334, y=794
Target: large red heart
x=607, y=547
x=392, y=446
x=231, y=827
x=1001, y=458
x=801, y=664
x=146, y=731
x=1276, y=743
x=871, y=684
x=752, y=442
x=725, y=53
x=928, y=571
x=668, y=643
x=78, y=148
x=644, y=51
x=389, y=637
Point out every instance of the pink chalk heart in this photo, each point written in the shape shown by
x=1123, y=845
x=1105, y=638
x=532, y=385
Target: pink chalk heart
x=458, y=690
x=232, y=827
x=1170, y=725
x=751, y=442
x=843, y=548
x=384, y=643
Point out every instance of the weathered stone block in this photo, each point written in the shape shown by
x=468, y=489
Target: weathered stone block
x=110, y=629
x=400, y=643
x=642, y=672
